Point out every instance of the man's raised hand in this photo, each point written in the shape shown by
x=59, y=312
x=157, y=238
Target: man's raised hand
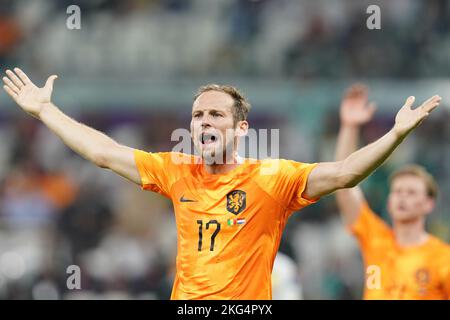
x=407, y=119
x=26, y=94
x=355, y=107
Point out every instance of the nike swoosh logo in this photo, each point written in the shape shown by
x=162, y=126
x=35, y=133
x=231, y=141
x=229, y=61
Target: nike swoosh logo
x=183, y=199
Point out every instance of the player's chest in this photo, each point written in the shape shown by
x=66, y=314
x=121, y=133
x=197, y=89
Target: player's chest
x=233, y=199
x=230, y=208
x=409, y=275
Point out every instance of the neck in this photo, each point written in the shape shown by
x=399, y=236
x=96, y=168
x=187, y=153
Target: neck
x=226, y=167
x=410, y=233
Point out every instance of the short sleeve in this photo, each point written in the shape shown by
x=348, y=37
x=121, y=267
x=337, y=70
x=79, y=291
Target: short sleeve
x=368, y=226
x=286, y=181
x=298, y=174
x=155, y=170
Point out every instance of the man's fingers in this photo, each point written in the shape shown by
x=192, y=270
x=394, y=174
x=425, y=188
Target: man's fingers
x=431, y=104
x=409, y=102
x=11, y=93
x=19, y=84
x=11, y=85
x=430, y=107
x=50, y=81
x=22, y=76
x=357, y=90
x=429, y=100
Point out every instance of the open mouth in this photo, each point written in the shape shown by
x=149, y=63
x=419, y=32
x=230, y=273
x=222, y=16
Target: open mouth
x=208, y=138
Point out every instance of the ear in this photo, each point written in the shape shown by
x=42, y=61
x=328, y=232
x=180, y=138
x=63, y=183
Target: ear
x=431, y=203
x=242, y=128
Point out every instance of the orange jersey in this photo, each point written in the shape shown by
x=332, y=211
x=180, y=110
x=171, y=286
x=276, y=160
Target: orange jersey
x=393, y=272
x=229, y=225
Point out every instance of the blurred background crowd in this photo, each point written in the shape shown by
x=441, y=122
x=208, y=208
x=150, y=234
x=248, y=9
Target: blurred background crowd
x=132, y=70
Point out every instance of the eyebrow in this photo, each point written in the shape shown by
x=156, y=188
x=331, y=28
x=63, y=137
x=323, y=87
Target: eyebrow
x=210, y=110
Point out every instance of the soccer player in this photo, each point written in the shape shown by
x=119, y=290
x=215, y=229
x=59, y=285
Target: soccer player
x=230, y=213
x=402, y=262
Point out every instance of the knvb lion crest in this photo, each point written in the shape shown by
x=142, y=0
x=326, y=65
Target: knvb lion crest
x=236, y=201
x=422, y=276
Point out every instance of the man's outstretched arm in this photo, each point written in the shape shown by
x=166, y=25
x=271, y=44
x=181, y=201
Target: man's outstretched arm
x=89, y=143
x=331, y=176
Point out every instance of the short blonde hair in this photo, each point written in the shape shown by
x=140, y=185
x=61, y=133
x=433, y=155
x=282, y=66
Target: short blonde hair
x=421, y=172
x=241, y=106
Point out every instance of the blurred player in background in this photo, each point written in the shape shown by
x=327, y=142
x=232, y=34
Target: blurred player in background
x=407, y=262
x=230, y=216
